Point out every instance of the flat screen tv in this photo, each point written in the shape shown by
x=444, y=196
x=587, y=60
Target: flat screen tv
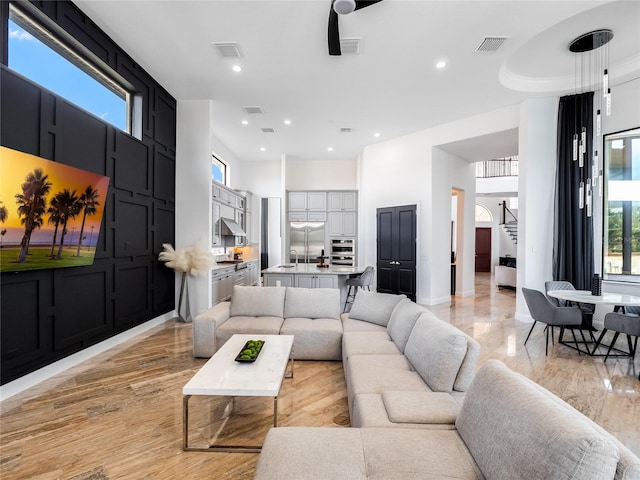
x=50, y=214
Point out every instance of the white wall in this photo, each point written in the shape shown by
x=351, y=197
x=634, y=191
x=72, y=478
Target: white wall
x=536, y=190
x=321, y=174
x=260, y=177
x=194, y=146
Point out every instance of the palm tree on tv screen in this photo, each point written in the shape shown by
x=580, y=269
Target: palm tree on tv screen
x=55, y=217
x=69, y=207
x=89, y=202
x=4, y=214
x=32, y=205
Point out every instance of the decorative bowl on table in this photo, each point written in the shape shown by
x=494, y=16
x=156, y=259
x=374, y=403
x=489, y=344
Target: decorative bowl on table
x=250, y=351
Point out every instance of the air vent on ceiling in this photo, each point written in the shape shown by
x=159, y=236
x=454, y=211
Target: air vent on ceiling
x=490, y=44
x=345, y=130
x=350, y=45
x=228, y=49
x=268, y=130
x=252, y=109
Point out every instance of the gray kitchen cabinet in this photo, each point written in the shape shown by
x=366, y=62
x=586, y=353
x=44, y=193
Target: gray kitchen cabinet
x=342, y=224
x=222, y=280
x=316, y=281
x=307, y=201
x=342, y=201
x=216, y=238
x=240, y=277
x=278, y=280
x=307, y=216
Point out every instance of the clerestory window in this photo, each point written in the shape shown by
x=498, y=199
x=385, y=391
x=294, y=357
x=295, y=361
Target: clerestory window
x=41, y=51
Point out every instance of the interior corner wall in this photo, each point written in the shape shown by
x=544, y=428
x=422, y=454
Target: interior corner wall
x=451, y=172
x=536, y=193
x=50, y=314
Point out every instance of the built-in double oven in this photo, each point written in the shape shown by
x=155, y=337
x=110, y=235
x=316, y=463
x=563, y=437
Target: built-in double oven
x=343, y=251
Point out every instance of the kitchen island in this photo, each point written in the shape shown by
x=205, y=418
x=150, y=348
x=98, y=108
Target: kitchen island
x=308, y=275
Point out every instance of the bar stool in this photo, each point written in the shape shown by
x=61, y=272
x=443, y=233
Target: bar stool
x=365, y=279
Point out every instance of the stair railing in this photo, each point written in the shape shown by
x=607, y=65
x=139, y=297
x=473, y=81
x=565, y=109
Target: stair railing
x=504, y=211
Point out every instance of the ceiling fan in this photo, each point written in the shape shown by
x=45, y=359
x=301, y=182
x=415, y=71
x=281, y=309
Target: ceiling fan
x=342, y=7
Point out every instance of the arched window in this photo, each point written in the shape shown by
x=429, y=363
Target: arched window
x=483, y=214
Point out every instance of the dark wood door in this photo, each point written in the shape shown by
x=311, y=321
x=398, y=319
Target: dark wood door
x=396, y=253
x=483, y=249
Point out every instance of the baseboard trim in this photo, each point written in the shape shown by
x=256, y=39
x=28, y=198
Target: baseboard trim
x=31, y=379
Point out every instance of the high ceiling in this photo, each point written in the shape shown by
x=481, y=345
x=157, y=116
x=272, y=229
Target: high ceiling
x=392, y=87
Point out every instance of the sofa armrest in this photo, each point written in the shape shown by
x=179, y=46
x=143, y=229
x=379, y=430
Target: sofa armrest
x=204, y=329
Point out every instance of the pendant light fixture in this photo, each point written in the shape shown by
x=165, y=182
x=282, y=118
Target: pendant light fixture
x=591, y=74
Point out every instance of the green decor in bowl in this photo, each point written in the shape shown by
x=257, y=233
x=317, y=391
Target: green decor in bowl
x=250, y=351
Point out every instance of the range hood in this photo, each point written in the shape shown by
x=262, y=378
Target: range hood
x=231, y=228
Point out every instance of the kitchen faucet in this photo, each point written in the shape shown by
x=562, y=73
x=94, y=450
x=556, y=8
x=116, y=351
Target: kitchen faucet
x=293, y=251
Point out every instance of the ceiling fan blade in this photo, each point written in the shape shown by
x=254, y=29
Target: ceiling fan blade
x=333, y=33
x=365, y=3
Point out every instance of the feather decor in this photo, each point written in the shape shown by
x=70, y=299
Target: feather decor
x=195, y=260
x=200, y=259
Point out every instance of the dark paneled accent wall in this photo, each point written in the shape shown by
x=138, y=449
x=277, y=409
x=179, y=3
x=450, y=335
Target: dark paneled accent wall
x=49, y=314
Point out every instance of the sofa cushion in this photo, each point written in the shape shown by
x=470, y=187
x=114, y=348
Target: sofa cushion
x=286, y=454
x=416, y=454
x=436, y=350
x=312, y=303
x=369, y=411
x=352, y=325
x=374, y=307
x=257, y=302
x=240, y=324
x=530, y=435
x=314, y=339
x=367, y=343
x=402, y=320
x=420, y=407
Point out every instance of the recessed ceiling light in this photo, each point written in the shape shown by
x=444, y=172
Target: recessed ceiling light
x=263, y=149
x=287, y=122
x=377, y=134
x=236, y=68
x=330, y=149
x=441, y=64
x=244, y=122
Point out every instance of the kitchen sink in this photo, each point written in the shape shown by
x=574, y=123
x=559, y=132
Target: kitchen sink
x=287, y=266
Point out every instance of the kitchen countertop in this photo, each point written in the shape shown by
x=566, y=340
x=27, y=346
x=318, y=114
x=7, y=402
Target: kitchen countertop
x=221, y=265
x=310, y=268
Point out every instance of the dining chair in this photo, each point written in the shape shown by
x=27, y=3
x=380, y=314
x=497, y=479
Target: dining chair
x=543, y=311
x=587, y=309
x=627, y=323
x=365, y=279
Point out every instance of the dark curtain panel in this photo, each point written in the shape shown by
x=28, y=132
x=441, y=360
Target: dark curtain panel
x=573, y=229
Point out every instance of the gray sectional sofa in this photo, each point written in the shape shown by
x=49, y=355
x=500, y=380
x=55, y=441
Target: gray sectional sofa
x=508, y=428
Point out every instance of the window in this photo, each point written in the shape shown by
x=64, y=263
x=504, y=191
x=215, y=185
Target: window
x=218, y=170
x=622, y=206
x=43, y=53
x=483, y=214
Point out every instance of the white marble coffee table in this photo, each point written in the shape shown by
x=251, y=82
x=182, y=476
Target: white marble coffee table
x=223, y=376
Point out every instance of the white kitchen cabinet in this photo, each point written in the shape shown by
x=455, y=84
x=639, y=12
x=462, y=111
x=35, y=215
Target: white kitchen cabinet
x=297, y=201
x=253, y=276
x=240, y=277
x=316, y=281
x=297, y=216
x=342, y=201
x=342, y=224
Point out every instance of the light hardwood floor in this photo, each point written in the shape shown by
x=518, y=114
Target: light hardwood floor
x=119, y=415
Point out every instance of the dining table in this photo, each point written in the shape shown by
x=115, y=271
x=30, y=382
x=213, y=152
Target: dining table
x=619, y=301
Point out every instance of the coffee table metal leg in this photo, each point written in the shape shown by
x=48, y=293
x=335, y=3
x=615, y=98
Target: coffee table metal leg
x=275, y=411
x=185, y=422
